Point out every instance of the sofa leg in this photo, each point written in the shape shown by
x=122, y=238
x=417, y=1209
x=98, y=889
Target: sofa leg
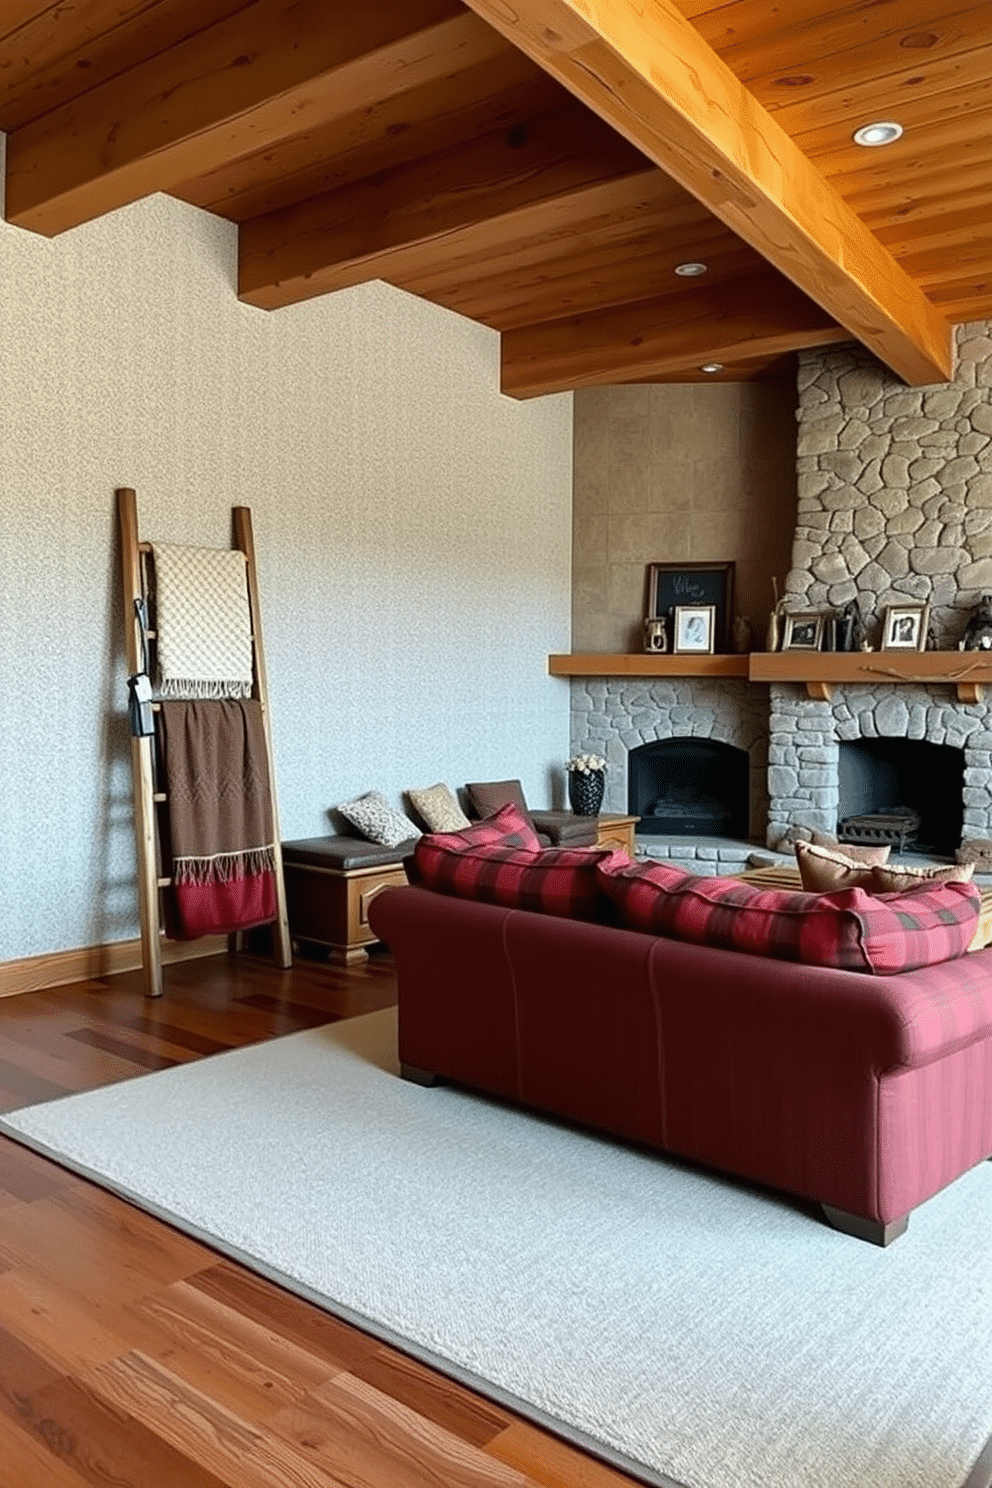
x=419, y=1076
x=872, y=1230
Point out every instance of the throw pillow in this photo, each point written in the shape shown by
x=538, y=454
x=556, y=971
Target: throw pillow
x=920, y=927
x=848, y=929
x=488, y=796
x=438, y=807
x=736, y=916
x=853, y=850
x=555, y=881
x=506, y=828
x=823, y=869
x=897, y=879
x=373, y=816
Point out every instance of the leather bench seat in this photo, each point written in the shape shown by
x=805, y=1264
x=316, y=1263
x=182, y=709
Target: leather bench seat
x=344, y=853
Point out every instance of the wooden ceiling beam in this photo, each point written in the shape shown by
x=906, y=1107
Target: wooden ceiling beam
x=648, y=72
x=273, y=69
x=758, y=317
x=497, y=94
x=473, y=198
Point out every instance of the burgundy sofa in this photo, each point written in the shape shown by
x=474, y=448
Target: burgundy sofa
x=863, y=1094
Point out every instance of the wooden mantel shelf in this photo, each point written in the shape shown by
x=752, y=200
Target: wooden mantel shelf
x=968, y=671
x=634, y=664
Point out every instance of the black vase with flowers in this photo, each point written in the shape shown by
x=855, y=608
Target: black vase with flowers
x=586, y=784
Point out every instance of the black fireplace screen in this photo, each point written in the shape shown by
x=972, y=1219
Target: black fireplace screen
x=689, y=788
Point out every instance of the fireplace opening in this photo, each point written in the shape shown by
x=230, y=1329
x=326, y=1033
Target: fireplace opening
x=689, y=788
x=914, y=786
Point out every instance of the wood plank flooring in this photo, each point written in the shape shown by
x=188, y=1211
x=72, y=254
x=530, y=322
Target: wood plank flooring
x=133, y=1356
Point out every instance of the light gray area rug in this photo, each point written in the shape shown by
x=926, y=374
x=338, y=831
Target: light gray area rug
x=684, y=1326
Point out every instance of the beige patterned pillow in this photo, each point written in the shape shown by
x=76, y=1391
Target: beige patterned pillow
x=896, y=880
x=873, y=855
x=439, y=808
x=377, y=820
x=824, y=869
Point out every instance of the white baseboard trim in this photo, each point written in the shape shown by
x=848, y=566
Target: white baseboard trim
x=57, y=968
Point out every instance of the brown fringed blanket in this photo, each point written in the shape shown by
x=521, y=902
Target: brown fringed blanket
x=220, y=817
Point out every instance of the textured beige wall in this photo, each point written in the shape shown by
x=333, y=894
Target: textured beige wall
x=673, y=472
x=412, y=528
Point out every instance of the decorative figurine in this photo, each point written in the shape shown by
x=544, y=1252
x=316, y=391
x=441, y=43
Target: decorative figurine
x=850, y=628
x=656, y=635
x=743, y=635
x=978, y=631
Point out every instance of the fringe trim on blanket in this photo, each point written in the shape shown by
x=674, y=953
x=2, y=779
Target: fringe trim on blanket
x=224, y=867
x=177, y=687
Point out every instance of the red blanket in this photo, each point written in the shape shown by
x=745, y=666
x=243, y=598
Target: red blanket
x=220, y=835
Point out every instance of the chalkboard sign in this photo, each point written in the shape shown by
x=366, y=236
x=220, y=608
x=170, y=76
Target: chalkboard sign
x=671, y=584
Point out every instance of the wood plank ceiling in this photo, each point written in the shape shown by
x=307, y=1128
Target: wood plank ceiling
x=542, y=167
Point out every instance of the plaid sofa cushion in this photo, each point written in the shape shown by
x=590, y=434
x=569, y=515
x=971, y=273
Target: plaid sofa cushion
x=507, y=827
x=554, y=880
x=849, y=929
x=918, y=927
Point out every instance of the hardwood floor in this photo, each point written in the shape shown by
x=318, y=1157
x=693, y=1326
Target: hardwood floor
x=133, y=1356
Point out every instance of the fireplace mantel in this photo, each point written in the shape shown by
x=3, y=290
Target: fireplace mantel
x=636, y=664
x=819, y=671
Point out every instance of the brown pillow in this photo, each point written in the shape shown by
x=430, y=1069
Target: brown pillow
x=824, y=869
x=488, y=796
x=890, y=880
x=852, y=850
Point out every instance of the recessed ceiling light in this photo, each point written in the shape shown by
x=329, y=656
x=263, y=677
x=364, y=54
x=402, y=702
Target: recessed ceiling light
x=690, y=270
x=882, y=133
x=711, y=367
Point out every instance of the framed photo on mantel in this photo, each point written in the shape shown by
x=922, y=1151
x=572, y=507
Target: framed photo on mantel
x=696, y=584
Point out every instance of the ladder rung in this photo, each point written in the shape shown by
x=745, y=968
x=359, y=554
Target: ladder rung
x=160, y=796
x=163, y=883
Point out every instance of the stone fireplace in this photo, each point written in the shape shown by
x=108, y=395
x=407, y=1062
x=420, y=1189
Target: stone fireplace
x=805, y=737
x=894, y=503
x=619, y=716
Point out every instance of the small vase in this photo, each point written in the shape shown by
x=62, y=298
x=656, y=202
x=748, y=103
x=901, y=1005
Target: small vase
x=585, y=791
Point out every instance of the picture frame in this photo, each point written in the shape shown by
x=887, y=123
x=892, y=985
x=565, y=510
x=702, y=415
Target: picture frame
x=904, y=626
x=673, y=584
x=802, y=631
x=693, y=629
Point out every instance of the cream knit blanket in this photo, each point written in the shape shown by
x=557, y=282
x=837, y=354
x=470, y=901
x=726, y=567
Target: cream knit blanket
x=203, y=622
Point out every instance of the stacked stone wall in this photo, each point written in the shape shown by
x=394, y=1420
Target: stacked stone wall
x=895, y=486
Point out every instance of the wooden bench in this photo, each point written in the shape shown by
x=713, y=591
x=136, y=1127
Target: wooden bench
x=330, y=883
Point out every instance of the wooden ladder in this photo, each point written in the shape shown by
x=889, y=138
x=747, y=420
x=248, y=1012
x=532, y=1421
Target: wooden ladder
x=148, y=799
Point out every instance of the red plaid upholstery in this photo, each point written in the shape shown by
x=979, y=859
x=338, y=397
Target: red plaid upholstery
x=555, y=880
x=507, y=827
x=849, y=929
x=917, y=927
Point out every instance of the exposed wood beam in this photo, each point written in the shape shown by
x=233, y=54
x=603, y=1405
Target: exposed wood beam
x=273, y=69
x=498, y=93
x=762, y=316
x=646, y=69
x=401, y=222
x=65, y=49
